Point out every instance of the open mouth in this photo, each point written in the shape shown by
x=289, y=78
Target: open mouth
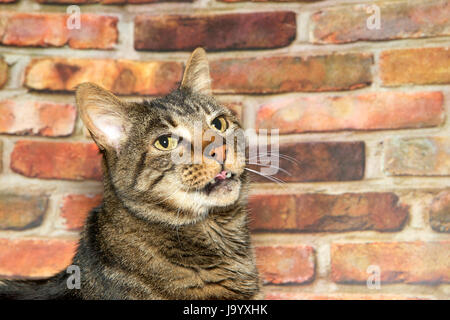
x=222, y=182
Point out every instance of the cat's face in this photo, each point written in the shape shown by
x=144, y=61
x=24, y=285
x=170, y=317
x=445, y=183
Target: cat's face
x=182, y=153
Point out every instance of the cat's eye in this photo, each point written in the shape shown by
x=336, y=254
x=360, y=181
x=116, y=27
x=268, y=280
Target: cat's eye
x=166, y=143
x=220, y=124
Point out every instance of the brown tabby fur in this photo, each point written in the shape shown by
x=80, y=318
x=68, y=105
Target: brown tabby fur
x=145, y=241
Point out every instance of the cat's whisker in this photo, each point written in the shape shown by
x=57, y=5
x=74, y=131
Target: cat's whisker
x=282, y=156
x=273, y=179
x=289, y=158
x=270, y=166
x=278, y=179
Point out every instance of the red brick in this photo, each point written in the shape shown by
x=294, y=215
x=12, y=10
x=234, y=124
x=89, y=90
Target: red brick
x=50, y=29
x=399, y=20
x=3, y=72
x=75, y=208
x=256, y=30
x=19, y=212
x=108, y=1
x=440, y=212
x=327, y=213
x=317, y=161
x=120, y=76
x=37, y=118
x=68, y=1
x=284, y=74
x=97, y=32
x=340, y=296
x=286, y=264
x=56, y=160
x=415, y=66
x=34, y=258
x=270, y=0
x=423, y=156
x=399, y=262
x=371, y=111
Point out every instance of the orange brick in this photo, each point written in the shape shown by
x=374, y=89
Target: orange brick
x=399, y=20
x=372, y=111
x=286, y=264
x=34, y=258
x=50, y=29
x=56, y=160
x=75, y=209
x=105, y=1
x=120, y=76
x=415, y=66
x=285, y=74
x=340, y=296
x=399, y=262
x=37, y=118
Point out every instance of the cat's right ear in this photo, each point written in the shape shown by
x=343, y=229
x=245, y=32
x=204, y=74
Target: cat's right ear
x=102, y=114
x=196, y=75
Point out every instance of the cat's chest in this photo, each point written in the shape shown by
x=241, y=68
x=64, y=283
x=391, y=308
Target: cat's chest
x=207, y=261
x=217, y=263
x=214, y=242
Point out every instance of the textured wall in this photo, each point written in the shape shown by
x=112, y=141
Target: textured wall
x=363, y=110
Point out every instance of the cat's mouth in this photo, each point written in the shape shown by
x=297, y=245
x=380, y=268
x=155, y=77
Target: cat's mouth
x=223, y=182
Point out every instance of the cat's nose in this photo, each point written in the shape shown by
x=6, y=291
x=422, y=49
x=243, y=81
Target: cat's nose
x=217, y=153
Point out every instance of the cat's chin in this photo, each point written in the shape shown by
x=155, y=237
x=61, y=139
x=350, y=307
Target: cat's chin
x=225, y=193
x=201, y=201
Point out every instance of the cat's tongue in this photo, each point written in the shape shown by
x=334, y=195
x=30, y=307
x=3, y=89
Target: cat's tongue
x=221, y=176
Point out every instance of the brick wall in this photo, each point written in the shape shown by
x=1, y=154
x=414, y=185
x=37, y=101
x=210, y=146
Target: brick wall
x=363, y=110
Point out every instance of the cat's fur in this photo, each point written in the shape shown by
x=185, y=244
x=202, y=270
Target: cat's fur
x=148, y=240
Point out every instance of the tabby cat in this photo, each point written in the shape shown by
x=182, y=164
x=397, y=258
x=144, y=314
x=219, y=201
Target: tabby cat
x=165, y=230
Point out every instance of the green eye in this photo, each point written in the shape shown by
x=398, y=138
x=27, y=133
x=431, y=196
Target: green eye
x=220, y=124
x=166, y=143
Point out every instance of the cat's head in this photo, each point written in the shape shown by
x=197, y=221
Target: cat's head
x=149, y=148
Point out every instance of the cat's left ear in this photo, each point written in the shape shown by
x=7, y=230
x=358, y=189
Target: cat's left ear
x=103, y=114
x=196, y=75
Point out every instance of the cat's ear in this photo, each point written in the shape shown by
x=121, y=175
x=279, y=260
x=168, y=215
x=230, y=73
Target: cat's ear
x=196, y=75
x=103, y=115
